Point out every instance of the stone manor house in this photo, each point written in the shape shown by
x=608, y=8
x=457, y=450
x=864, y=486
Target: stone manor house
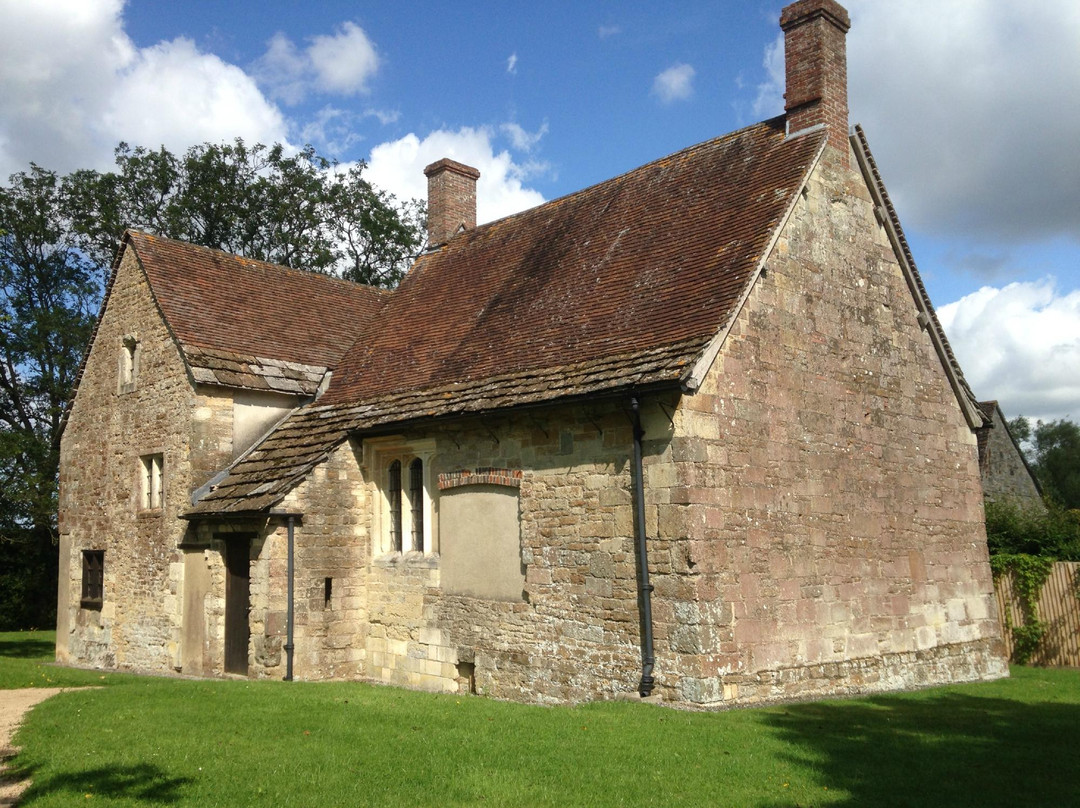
x=695, y=431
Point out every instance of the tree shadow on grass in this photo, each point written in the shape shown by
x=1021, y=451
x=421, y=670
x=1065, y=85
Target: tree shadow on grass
x=948, y=750
x=142, y=782
x=27, y=649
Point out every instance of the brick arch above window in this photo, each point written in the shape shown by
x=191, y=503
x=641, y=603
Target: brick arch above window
x=481, y=476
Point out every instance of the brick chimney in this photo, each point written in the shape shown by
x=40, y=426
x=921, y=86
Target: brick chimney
x=451, y=200
x=815, y=60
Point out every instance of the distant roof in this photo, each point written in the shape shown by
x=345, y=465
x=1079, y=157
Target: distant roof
x=260, y=312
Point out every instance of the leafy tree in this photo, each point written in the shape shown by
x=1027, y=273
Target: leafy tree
x=49, y=293
x=1053, y=531
x=1053, y=452
x=58, y=237
x=298, y=210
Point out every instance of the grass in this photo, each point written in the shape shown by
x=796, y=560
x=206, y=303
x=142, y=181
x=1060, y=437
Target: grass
x=143, y=741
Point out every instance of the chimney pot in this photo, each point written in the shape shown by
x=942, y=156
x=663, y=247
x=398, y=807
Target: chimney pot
x=451, y=200
x=815, y=61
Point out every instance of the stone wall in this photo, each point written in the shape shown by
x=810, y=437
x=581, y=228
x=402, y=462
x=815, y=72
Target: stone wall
x=571, y=633
x=1005, y=476
x=110, y=427
x=826, y=489
x=146, y=620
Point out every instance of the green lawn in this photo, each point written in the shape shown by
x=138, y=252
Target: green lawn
x=142, y=741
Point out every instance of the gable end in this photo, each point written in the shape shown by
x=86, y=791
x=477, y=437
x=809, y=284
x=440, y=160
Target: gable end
x=886, y=214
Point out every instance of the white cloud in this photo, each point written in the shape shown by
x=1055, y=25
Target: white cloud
x=344, y=62
x=398, y=167
x=1020, y=344
x=511, y=64
x=282, y=69
x=770, y=93
x=67, y=103
x=174, y=95
x=521, y=139
x=606, y=31
x=970, y=106
x=332, y=131
x=674, y=84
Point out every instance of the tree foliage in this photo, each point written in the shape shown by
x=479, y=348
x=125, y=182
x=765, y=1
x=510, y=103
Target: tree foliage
x=49, y=293
x=1013, y=529
x=1052, y=450
x=299, y=210
x=58, y=237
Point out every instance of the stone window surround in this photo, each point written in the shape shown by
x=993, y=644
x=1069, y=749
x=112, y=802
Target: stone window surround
x=379, y=454
x=128, y=363
x=151, y=489
x=93, y=579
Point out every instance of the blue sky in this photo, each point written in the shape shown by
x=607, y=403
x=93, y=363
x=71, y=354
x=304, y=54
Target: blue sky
x=970, y=107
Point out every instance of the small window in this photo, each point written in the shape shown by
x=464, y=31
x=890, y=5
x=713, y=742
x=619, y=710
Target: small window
x=129, y=363
x=93, y=578
x=393, y=495
x=416, y=503
x=152, y=482
x=404, y=514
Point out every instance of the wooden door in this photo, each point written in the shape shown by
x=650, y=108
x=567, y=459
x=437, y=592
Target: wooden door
x=237, y=604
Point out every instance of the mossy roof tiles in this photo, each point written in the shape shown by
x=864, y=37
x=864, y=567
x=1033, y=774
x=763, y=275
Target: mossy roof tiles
x=658, y=256
x=239, y=310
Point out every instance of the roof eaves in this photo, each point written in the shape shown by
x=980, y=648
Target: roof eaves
x=243, y=483
x=928, y=318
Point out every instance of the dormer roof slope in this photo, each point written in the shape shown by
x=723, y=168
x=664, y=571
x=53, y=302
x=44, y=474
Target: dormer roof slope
x=251, y=324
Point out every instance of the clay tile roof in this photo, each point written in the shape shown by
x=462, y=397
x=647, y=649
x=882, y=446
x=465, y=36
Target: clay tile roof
x=238, y=309
x=622, y=285
x=659, y=256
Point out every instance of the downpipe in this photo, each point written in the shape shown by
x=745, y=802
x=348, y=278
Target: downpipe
x=645, y=686
x=291, y=523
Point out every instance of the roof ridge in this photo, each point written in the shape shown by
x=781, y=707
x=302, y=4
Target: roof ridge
x=619, y=177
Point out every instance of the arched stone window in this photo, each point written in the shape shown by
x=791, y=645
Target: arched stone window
x=393, y=496
x=416, y=502
x=404, y=514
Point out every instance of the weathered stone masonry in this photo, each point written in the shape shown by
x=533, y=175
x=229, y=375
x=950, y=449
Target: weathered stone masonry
x=573, y=632
x=147, y=620
x=107, y=432
x=827, y=482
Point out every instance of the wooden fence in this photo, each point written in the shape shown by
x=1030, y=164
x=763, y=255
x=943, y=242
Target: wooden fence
x=1059, y=609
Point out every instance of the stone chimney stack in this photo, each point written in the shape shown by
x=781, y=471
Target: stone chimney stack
x=451, y=205
x=815, y=60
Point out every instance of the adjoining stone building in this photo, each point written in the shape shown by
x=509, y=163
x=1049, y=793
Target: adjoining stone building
x=1006, y=475
x=694, y=431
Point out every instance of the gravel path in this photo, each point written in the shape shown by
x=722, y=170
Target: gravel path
x=14, y=704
